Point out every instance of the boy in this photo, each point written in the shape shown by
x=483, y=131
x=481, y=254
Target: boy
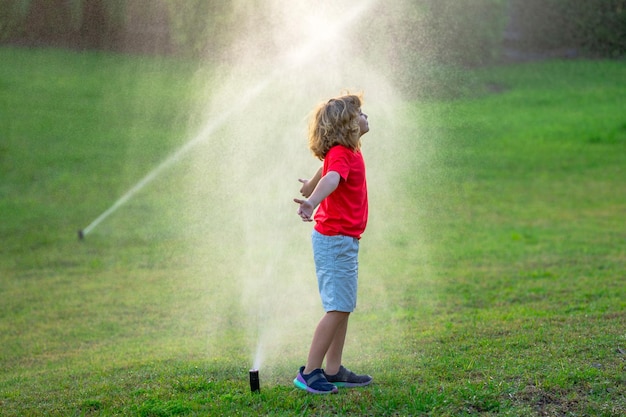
x=339, y=188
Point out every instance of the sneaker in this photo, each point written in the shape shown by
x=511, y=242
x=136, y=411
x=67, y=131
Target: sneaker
x=345, y=378
x=315, y=382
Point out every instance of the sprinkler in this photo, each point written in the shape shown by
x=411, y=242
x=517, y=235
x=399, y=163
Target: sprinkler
x=254, y=380
x=81, y=235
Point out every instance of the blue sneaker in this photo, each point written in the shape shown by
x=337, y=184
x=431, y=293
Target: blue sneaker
x=315, y=382
x=345, y=378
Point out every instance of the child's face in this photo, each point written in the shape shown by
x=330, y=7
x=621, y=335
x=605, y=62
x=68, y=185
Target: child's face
x=364, y=126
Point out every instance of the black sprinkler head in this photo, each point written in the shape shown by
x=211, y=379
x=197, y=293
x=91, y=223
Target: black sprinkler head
x=254, y=380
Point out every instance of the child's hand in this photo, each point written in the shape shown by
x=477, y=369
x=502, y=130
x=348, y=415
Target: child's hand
x=305, y=211
x=307, y=187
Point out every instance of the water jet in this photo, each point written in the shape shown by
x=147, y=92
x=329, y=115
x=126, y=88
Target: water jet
x=253, y=123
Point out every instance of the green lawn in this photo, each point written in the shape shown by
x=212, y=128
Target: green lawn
x=491, y=275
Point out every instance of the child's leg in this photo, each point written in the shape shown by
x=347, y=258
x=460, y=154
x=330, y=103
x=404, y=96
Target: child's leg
x=335, y=351
x=332, y=324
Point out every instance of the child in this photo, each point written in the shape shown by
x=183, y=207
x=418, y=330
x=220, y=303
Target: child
x=340, y=190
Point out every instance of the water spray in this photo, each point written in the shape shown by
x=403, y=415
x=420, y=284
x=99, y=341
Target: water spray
x=247, y=97
x=305, y=53
x=255, y=385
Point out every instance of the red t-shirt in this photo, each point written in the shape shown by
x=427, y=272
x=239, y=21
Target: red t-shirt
x=344, y=211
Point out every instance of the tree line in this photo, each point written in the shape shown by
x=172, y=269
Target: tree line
x=471, y=32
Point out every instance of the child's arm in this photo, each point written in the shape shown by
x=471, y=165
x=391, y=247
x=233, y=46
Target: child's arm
x=326, y=185
x=309, y=185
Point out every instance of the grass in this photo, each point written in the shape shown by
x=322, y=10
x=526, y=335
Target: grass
x=491, y=284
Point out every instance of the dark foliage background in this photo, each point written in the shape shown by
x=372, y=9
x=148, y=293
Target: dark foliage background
x=470, y=33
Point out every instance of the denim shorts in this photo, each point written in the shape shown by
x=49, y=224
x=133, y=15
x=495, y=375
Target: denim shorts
x=336, y=265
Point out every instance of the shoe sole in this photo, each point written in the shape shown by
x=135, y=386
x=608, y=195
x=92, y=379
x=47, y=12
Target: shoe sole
x=350, y=384
x=305, y=387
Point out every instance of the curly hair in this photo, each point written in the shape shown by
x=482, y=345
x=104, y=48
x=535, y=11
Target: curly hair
x=335, y=122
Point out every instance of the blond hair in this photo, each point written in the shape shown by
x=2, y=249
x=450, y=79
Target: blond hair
x=335, y=122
